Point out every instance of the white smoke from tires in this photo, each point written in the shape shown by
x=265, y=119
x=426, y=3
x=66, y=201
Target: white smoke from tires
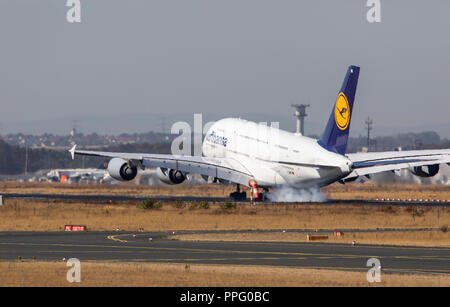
x=288, y=194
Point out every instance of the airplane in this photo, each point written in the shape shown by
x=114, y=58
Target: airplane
x=98, y=174
x=262, y=157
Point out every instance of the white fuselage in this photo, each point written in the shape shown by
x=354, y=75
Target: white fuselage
x=274, y=157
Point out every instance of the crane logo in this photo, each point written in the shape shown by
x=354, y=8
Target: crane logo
x=342, y=112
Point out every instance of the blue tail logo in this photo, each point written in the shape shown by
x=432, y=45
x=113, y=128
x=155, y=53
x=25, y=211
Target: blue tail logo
x=336, y=133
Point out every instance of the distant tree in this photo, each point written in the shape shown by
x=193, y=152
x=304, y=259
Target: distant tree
x=12, y=157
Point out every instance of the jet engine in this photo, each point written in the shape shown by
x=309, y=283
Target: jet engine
x=425, y=171
x=121, y=170
x=170, y=176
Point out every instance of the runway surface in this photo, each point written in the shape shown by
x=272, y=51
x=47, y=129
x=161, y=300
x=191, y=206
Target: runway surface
x=101, y=198
x=127, y=246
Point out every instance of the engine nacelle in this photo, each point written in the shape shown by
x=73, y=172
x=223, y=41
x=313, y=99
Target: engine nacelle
x=425, y=171
x=170, y=176
x=119, y=169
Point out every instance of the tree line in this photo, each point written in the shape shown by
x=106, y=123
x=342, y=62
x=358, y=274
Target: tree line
x=15, y=160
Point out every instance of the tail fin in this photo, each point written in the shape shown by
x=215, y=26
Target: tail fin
x=335, y=136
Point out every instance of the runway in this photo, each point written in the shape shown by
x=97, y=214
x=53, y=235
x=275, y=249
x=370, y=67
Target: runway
x=157, y=247
x=102, y=198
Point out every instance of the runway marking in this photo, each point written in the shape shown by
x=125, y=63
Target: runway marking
x=328, y=267
x=424, y=258
x=376, y=246
x=116, y=239
x=192, y=250
x=222, y=251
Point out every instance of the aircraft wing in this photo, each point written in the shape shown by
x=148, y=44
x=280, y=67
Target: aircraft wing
x=375, y=162
x=222, y=168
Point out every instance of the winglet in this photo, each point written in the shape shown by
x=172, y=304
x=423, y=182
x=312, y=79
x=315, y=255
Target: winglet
x=72, y=151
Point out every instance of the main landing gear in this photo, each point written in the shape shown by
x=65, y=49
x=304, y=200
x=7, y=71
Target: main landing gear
x=238, y=195
x=255, y=195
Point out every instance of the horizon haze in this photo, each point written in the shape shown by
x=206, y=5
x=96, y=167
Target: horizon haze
x=129, y=64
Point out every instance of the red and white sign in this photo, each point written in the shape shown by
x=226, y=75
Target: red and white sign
x=75, y=228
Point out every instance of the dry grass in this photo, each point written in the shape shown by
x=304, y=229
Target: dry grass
x=391, y=191
x=19, y=215
x=411, y=238
x=151, y=274
x=123, y=188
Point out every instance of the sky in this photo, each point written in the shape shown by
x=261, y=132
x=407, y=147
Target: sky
x=131, y=66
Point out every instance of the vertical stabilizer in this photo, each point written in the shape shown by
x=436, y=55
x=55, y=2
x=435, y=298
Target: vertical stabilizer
x=336, y=132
